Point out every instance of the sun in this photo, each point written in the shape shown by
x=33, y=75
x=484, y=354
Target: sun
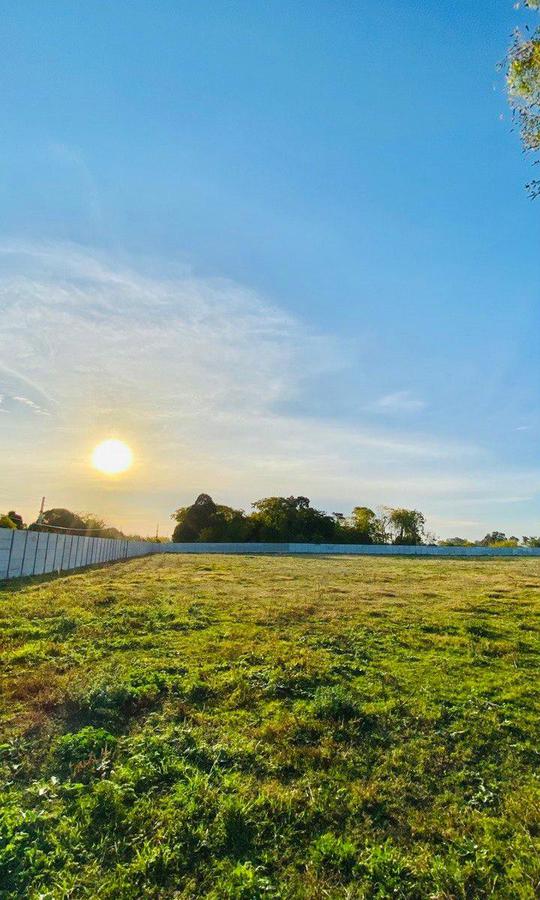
x=112, y=457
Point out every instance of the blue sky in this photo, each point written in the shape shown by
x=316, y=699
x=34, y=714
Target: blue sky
x=280, y=247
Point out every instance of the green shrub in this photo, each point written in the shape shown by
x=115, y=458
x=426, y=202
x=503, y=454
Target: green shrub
x=77, y=747
x=5, y=522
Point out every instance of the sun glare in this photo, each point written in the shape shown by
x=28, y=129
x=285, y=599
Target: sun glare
x=112, y=457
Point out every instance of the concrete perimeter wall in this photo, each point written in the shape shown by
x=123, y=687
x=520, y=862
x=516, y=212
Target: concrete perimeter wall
x=350, y=549
x=38, y=552
x=24, y=553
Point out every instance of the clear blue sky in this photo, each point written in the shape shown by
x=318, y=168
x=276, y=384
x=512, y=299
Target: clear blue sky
x=346, y=170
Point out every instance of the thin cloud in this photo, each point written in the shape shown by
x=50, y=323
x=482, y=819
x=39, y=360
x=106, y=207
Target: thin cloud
x=195, y=374
x=33, y=406
x=398, y=402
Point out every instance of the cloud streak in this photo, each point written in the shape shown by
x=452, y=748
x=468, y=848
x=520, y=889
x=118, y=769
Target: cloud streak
x=398, y=402
x=194, y=373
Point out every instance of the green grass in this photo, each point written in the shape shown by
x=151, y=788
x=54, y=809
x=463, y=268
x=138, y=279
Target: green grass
x=231, y=727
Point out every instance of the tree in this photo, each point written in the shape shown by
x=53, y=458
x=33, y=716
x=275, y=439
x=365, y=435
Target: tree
x=406, y=526
x=531, y=541
x=7, y=522
x=523, y=80
x=68, y=521
x=93, y=524
x=16, y=519
x=206, y=521
x=194, y=519
x=291, y=519
x=364, y=522
x=96, y=527
x=494, y=537
x=369, y=528
x=456, y=542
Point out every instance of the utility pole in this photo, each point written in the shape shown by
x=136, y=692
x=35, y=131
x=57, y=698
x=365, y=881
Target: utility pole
x=41, y=510
x=157, y=531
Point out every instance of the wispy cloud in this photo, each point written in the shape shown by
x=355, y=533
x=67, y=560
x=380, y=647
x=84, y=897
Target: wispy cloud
x=398, y=402
x=33, y=406
x=195, y=373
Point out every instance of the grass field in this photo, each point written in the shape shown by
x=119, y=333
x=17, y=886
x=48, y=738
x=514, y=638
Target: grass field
x=232, y=727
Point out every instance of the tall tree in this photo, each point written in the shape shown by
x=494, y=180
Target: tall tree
x=204, y=520
x=291, y=519
x=369, y=528
x=68, y=521
x=523, y=79
x=194, y=519
x=406, y=525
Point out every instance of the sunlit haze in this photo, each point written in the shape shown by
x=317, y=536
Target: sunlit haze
x=112, y=457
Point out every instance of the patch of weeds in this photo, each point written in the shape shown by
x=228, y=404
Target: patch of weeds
x=86, y=745
x=335, y=854
x=63, y=627
x=113, y=700
x=335, y=703
x=385, y=872
x=243, y=881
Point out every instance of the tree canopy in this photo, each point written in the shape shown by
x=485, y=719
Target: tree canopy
x=60, y=518
x=523, y=79
x=70, y=522
x=7, y=522
x=16, y=518
x=293, y=519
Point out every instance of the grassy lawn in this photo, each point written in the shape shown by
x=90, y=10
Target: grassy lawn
x=274, y=727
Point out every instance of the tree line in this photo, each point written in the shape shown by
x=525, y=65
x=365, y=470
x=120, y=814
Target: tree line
x=273, y=520
x=63, y=520
x=294, y=520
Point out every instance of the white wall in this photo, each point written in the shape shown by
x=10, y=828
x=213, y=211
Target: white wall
x=350, y=549
x=38, y=552
x=24, y=553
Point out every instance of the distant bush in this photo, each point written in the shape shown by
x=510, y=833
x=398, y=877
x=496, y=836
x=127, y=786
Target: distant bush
x=5, y=522
x=456, y=542
x=16, y=518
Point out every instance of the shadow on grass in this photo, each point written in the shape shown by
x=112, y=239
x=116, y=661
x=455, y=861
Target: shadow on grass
x=14, y=585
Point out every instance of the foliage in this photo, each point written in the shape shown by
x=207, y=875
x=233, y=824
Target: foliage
x=60, y=518
x=76, y=523
x=406, y=526
x=96, y=526
x=237, y=727
x=498, y=539
x=205, y=521
x=523, y=79
x=369, y=528
x=16, y=518
x=456, y=542
x=7, y=522
x=293, y=519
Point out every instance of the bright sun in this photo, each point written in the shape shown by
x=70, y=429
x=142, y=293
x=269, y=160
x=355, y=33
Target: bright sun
x=112, y=457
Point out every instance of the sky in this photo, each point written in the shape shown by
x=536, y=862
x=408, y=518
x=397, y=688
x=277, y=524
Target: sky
x=277, y=248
